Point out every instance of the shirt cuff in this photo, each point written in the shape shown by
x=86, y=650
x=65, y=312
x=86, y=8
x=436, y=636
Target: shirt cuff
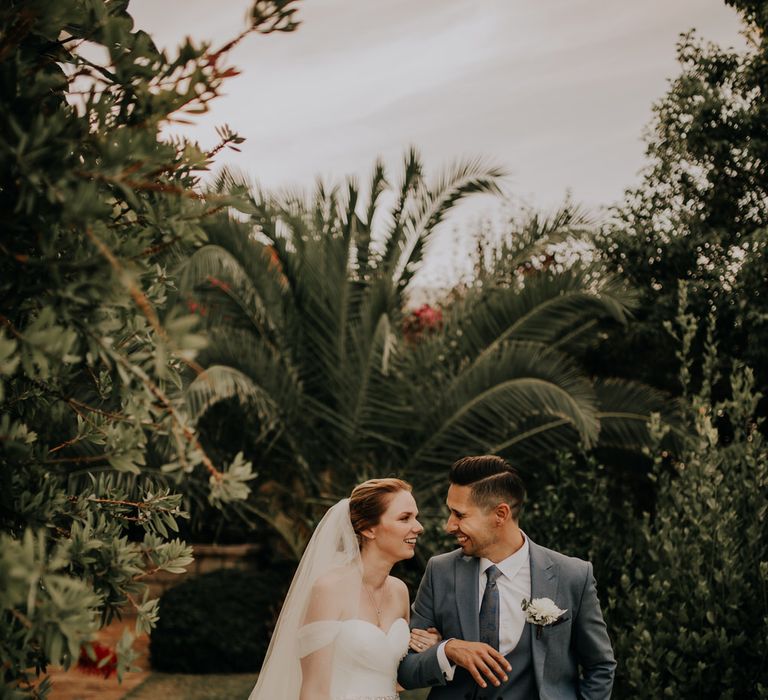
x=446, y=666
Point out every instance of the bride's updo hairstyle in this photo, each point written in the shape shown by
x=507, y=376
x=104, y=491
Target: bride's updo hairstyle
x=369, y=500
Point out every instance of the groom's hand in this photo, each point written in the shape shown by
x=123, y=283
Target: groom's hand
x=481, y=660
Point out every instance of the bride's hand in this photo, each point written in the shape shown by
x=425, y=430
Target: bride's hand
x=421, y=640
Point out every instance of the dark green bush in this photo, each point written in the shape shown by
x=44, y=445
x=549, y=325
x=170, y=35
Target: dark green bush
x=697, y=612
x=218, y=622
x=683, y=586
x=583, y=508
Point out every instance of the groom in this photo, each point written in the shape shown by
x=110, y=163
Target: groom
x=474, y=597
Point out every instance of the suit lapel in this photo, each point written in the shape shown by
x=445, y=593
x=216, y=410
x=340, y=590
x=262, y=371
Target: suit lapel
x=543, y=585
x=467, y=597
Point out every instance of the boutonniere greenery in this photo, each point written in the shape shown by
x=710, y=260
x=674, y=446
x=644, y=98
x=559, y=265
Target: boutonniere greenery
x=542, y=612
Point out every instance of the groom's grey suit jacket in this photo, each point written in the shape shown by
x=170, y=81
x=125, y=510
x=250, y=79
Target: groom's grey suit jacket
x=571, y=660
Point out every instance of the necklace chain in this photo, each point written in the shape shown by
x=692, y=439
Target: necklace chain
x=373, y=600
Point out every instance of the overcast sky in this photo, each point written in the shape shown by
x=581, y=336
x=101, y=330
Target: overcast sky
x=558, y=92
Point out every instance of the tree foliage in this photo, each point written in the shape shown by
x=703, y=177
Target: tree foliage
x=683, y=584
x=95, y=205
x=305, y=310
x=695, y=611
x=701, y=211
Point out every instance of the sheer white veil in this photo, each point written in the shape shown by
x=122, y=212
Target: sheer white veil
x=332, y=550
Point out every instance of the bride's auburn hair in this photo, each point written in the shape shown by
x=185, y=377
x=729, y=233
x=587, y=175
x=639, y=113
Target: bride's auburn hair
x=369, y=500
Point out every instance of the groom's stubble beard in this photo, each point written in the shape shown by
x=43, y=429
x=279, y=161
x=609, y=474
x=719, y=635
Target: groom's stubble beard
x=470, y=520
x=475, y=549
x=478, y=544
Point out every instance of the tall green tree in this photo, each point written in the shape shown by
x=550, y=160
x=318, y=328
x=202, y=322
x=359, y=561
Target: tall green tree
x=303, y=306
x=305, y=311
x=505, y=373
x=701, y=211
x=95, y=203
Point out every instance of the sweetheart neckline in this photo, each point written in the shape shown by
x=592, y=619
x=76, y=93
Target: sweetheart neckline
x=375, y=626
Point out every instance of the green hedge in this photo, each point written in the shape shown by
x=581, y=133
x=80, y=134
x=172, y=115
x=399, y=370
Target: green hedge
x=218, y=622
x=684, y=585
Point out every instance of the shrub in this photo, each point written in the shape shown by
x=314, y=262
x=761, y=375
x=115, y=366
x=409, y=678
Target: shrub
x=697, y=612
x=95, y=204
x=684, y=585
x=583, y=508
x=218, y=622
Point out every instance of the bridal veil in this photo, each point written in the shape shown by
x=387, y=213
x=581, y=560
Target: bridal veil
x=325, y=590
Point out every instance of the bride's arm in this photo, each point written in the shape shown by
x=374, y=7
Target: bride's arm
x=324, y=607
x=421, y=640
x=316, y=675
x=405, y=602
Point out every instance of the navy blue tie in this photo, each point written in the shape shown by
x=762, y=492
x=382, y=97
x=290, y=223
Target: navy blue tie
x=489, y=609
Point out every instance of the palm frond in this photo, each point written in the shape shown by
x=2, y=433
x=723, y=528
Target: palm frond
x=531, y=237
x=371, y=406
x=213, y=271
x=488, y=402
x=549, y=308
x=431, y=206
x=229, y=180
x=413, y=173
x=266, y=382
x=220, y=382
x=379, y=185
x=625, y=410
x=350, y=224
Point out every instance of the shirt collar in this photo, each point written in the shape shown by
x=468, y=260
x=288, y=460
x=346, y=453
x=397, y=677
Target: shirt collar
x=513, y=563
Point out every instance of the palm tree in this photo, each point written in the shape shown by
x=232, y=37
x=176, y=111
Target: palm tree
x=503, y=374
x=304, y=306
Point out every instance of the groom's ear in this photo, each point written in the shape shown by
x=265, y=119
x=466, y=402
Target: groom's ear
x=502, y=512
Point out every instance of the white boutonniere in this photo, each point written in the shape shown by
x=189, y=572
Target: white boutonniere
x=541, y=612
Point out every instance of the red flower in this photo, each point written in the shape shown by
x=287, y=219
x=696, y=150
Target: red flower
x=421, y=320
x=428, y=317
x=103, y=661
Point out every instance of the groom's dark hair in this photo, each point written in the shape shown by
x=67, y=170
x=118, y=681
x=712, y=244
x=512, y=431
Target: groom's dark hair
x=493, y=481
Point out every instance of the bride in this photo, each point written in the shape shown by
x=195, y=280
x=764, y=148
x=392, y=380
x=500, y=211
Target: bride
x=344, y=628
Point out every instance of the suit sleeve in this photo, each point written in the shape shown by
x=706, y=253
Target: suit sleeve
x=421, y=670
x=593, y=646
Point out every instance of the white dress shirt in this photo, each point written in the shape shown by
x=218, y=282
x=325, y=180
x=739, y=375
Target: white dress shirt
x=514, y=584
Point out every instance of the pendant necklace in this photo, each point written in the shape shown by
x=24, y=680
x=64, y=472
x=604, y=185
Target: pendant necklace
x=373, y=601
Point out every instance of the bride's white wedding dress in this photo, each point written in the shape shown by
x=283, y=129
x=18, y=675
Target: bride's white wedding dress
x=320, y=632
x=365, y=658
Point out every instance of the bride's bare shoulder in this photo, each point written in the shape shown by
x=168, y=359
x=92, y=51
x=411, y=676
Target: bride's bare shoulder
x=398, y=587
x=397, y=584
x=342, y=578
x=332, y=594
